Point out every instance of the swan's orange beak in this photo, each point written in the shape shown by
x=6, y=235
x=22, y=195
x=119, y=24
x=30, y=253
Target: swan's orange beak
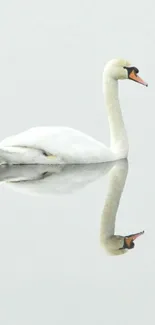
x=129, y=239
x=133, y=76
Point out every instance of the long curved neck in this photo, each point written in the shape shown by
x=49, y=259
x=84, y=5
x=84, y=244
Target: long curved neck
x=119, y=140
x=117, y=180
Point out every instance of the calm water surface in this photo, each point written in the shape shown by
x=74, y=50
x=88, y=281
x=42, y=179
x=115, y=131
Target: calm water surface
x=53, y=266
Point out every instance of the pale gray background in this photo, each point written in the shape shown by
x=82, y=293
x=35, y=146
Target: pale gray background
x=53, y=270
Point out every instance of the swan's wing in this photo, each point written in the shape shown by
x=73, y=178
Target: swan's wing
x=71, y=145
x=55, y=180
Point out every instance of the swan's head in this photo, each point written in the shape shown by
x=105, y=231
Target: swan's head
x=122, y=69
x=118, y=245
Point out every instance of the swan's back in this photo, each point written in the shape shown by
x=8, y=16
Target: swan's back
x=68, y=144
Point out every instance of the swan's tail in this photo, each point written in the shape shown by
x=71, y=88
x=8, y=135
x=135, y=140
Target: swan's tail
x=18, y=155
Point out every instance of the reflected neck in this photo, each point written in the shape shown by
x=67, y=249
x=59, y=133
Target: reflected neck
x=117, y=180
x=118, y=135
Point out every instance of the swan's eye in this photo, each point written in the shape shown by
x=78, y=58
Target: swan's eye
x=130, y=69
x=135, y=70
x=128, y=244
x=131, y=246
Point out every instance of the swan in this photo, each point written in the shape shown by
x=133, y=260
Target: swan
x=115, y=244
x=63, y=145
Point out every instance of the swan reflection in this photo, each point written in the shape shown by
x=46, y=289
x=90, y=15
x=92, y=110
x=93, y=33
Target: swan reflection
x=52, y=179
x=115, y=244
x=64, y=179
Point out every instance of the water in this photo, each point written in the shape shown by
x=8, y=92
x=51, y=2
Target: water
x=53, y=266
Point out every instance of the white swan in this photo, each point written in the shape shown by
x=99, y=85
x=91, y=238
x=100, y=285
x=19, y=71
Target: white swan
x=61, y=145
x=115, y=244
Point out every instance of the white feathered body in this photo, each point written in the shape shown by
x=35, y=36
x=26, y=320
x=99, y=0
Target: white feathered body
x=68, y=146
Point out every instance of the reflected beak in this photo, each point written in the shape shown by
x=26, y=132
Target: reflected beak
x=133, y=76
x=129, y=239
